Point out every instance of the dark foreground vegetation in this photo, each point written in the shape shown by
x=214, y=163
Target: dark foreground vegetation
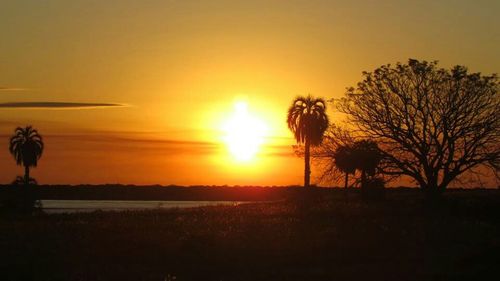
x=335, y=235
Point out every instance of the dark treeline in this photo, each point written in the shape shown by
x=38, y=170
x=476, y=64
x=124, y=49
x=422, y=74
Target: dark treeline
x=183, y=193
x=156, y=192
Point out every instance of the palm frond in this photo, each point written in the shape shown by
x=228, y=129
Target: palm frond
x=26, y=146
x=307, y=119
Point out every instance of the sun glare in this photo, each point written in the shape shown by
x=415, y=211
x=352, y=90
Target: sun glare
x=244, y=133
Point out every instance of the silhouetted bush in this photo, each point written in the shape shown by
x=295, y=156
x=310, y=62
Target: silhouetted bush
x=20, y=180
x=373, y=188
x=20, y=199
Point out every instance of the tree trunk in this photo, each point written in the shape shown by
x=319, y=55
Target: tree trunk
x=346, y=180
x=433, y=195
x=26, y=175
x=363, y=179
x=307, y=170
x=432, y=191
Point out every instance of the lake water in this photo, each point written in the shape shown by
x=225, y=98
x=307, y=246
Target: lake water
x=72, y=206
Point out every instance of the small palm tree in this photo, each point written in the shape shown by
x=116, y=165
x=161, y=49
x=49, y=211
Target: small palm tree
x=308, y=121
x=368, y=157
x=343, y=157
x=27, y=147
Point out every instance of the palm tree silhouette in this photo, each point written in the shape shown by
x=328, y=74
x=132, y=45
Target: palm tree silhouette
x=27, y=147
x=343, y=157
x=308, y=121
x=368, y=157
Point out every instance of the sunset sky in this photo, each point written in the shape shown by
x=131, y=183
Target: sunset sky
x=147, y=92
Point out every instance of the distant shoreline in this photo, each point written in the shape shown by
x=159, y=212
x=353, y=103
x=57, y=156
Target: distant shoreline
x=192, y=193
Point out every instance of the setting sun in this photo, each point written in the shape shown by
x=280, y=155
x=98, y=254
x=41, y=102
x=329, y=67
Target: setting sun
x=249, y=140
x=243, y=133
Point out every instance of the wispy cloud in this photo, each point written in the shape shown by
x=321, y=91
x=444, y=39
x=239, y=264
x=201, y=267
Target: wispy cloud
x=58, y=105
x=117, y=144
x=10, y=89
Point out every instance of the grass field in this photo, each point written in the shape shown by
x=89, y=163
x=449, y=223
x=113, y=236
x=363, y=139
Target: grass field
x=334, y=235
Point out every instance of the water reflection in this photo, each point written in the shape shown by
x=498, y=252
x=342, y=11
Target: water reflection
x=72, y=206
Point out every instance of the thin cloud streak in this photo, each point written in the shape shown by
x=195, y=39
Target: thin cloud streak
x=11, y=89
x=115, y=143
x=58, y=105
x=119, y=144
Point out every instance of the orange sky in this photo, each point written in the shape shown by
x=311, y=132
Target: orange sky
x=176, y=69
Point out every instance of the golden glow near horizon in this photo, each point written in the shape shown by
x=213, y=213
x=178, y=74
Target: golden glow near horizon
x=180, y=65
x=244, y=133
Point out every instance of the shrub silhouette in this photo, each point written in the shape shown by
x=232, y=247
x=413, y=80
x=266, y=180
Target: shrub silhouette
x=20, y=180
x=20, y=200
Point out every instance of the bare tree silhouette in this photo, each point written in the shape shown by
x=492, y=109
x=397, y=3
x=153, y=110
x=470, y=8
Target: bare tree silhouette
x=27, y=147
x=308, y=121
x=432, y=124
